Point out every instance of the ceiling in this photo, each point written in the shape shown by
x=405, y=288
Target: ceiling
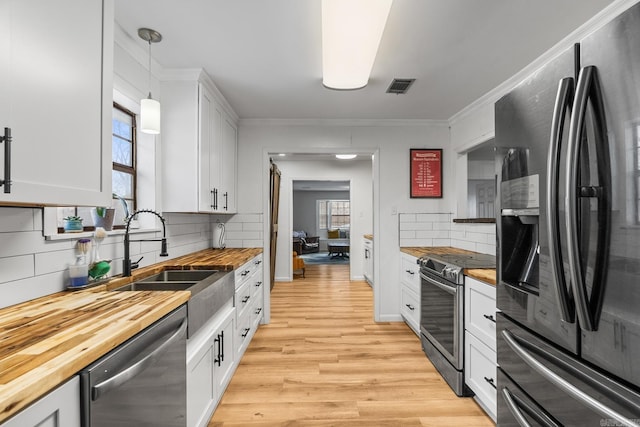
x=265, y=56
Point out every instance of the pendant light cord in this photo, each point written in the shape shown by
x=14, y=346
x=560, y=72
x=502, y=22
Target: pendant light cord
x=149, y=68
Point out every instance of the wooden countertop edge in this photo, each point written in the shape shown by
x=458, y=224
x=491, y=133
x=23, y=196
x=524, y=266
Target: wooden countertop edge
x=27, y=388
x=486, y=275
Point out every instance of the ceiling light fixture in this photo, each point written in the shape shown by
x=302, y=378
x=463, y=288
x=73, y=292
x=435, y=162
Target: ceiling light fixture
x=149, y=107
x=346, y=156
x=351, y=33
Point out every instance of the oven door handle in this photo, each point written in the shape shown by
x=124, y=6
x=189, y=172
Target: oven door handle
x=447, y=288
x=133, y=370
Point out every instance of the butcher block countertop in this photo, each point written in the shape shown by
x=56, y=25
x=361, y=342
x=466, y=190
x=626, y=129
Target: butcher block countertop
x=46, y=341
x=487, y=275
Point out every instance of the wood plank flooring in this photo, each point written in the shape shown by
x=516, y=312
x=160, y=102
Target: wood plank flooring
x=323, y=361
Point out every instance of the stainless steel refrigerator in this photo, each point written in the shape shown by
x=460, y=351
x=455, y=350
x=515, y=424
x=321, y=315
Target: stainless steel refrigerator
x=568, y=169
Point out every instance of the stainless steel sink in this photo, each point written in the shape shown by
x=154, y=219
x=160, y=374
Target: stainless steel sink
x=179, y=276
x=210, y=290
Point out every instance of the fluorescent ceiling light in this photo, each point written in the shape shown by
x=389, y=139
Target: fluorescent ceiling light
x=351, y=33
x=346, y=156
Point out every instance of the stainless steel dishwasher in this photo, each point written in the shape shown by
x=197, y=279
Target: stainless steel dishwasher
x=142, y=382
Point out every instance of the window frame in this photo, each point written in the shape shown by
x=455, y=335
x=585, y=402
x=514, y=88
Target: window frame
x=132, y=170
x=329, y=224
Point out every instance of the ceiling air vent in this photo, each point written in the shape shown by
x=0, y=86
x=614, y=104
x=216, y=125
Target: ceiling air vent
x=399, y=86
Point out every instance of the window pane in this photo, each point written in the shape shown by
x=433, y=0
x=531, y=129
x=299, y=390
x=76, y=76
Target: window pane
x=122, y=124
x=122, y=184
x=322, y=214
x=122, y=152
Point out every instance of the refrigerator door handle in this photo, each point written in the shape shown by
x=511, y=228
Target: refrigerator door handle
x=517, y=407
x=564, y=97
x=513, y=408
x=563, y=384
x=588, y=88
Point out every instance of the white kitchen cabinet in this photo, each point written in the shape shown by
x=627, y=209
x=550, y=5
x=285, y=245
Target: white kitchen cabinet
x=249, y=302
x=410, y=291
x=56, y=89
x=368, y=260
x=58, y=408
x=210, y=365
x=199, y=146
x=480, y=342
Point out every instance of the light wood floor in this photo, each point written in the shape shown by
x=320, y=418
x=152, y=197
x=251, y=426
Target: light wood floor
x=323, y=361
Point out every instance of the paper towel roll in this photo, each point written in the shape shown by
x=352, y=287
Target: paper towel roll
x=219, y=236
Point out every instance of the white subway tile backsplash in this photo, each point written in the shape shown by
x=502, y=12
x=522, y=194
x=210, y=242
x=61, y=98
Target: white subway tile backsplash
x=17, y=219
x=438, y=229
x=252, y=226
x=16, y=268
x=434, y=217
x=407, y=218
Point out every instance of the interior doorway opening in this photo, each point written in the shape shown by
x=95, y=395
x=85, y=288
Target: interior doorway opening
x=321, y=221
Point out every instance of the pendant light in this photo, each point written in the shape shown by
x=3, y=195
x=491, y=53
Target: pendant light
x=149, y=107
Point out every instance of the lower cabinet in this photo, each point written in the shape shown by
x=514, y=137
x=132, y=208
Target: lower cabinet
x=210, y=365
x=480, y=363
x=368, y=261
x=249, y=302
x=410, y=291
x=59, y=408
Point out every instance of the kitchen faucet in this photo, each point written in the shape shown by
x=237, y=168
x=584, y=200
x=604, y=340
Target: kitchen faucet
x=127, y=265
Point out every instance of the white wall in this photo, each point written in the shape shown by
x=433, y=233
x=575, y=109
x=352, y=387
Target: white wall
x=390, y=141
x=305, y=214
x=359, y=173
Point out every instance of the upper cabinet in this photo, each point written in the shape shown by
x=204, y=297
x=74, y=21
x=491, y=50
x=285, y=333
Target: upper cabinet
x=199, y=145
x=56, y=91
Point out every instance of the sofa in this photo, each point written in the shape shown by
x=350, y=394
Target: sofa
x=304, y=244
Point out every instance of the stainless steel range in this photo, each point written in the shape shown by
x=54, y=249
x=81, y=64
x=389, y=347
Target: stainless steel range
x=442, y=312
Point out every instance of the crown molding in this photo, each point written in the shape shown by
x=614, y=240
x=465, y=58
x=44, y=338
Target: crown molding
x=345, y=122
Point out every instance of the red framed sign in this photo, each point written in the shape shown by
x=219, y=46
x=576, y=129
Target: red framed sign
x=426, y=173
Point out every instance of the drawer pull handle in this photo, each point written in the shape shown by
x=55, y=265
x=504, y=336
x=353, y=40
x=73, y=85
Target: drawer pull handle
x=410, y=307
x=489, y=317
x=244, y=273
x=259, y=310
x=411, y=272
x=258, y=284
x=246, y=332
x=258, y=262
x=245, y=299
x=491, y=381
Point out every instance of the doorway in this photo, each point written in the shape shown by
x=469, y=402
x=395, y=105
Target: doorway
x=321, y=221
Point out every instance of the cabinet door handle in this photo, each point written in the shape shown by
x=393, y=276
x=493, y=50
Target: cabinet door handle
x=218, y=358
x=246, y=332
x=491, y=381
x=226, y=201
x=411, y=272
x=213, y=206
x=6, y=182
x=410, y=307
x=245, y=299
x=489, y=317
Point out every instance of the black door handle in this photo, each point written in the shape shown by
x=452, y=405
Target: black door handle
x=6, y=138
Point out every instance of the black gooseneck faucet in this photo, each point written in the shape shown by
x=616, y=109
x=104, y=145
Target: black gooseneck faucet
x=127, y=265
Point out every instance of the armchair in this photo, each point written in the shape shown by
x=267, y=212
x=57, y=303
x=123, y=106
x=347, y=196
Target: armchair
x=303, y=244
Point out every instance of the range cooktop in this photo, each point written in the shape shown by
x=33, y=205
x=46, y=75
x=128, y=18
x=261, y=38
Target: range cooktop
x=451, y=266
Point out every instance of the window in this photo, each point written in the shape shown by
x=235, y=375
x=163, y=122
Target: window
x=124, y=155
x=333, y=214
